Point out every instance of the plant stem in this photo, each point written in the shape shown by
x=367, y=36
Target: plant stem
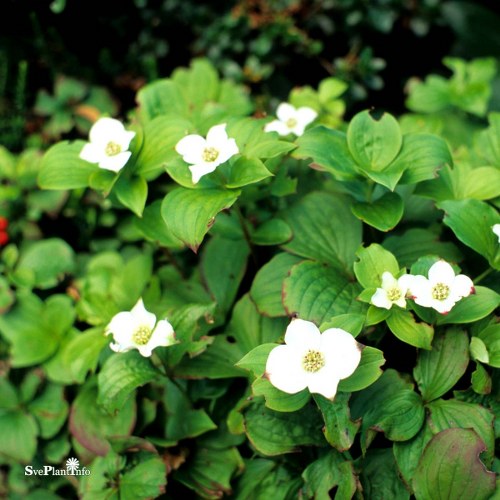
x=245, y=232
x=483, y=275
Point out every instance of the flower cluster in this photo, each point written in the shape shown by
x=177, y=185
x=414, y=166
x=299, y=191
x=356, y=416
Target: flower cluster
x=291, y=120
x=441, y=289
x=205, y=155
x=318, y=361
x=108, y=146
x=4, y=237
x=138, y=329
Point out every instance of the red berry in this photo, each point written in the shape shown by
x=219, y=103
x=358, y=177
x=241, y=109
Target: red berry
x=3, y=223
x=4, y=238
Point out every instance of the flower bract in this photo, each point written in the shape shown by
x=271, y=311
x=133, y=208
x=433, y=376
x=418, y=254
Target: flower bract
x=392, y=291
x=496, y=229
x=291, y=120
x=312, y=359
x=108, y=146
x=138, y=329
x=442, y=289
x=205, y=155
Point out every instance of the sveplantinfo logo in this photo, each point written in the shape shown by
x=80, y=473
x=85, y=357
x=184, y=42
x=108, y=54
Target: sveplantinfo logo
x=72, y=469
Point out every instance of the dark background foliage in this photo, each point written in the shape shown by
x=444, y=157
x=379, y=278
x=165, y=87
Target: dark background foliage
x=270, y=45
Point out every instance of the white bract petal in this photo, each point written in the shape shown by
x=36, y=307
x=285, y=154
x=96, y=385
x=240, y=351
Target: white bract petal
x=291, y=120
x=108, y=146
x=496, y=229
x=442, y=289
x=205, y=155
x=392, y=291
x=138, y=329
x=312, y=359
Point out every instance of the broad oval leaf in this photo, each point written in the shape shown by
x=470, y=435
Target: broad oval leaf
x=189, y=213
x=450, y=468
x=438, y=370
x=403, y=325
x=383, y=214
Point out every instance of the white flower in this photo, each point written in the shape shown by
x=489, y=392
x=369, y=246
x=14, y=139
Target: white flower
x=205, y=155
x=108, y=146
x=139, y=330
x=312, y=359
x=496, y=230
x=291, y=120
x=393, y=291
x=442, y=289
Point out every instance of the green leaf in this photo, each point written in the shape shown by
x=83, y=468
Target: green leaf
x=472, y=222
x=389, y=405
x=403, y=325
x=266, y=290
x=373, y=262
x=383, y=214
x=437, y=371
x=62, y=168
x=189, y=214
x=328, y=150
x=316, y=292
x=161, y=97
x=255, y=360
x=181, y=420
x=274, y=433
x=154, y=228
x=416, y=243
x=278, y=400
x=487, y=142
x=429, y=96
x=81, y=354
x=160, y=137
x=222, y=280
x=328, y=471
x=146, y=480
x=450, y=468
x=91, y=426
x=367, y=372
x=245, y=171
x=32, y=337
x=272, y=232
x=120, y=375
x=18, y=433
x=472, y=308
x=450, y=414
x=481, y=380
x=339, y=429
x=51, y=410
x=48, y=260
x=210, y=470
x=352, y=323
x=379, y=476
x=421, y=156
x=324, y=229
x=263, y=478
x=374, y=143
x=408, y=453
x=253, y=142
x=490, y=337
x=132, y=193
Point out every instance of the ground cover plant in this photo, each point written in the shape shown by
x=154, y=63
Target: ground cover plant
x=205, y=296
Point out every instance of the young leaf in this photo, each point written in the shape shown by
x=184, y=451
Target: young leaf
x=383, y=214
x=403, y=325
x=374, y=261
x=374, y=143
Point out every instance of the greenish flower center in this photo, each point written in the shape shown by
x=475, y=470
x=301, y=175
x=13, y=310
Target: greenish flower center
x=440, y=291
x=394, y=294
x=291, y=122
x=112, y=149
x=142, y=335
x=313, y=361
x=209, y=154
